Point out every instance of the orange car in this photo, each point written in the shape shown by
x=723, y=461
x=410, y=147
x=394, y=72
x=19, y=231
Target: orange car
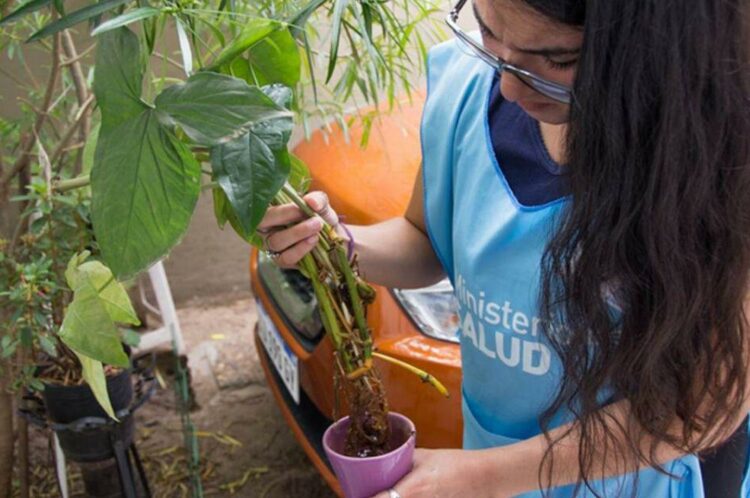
x=418, y=326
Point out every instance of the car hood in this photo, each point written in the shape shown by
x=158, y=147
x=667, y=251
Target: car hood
x=374, y=183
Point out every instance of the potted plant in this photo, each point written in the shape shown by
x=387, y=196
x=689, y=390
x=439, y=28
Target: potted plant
x=62, y=310
x=64, y=326
x=225, y=127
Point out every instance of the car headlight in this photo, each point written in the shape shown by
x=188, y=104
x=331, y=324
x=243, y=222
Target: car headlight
x=433, y=309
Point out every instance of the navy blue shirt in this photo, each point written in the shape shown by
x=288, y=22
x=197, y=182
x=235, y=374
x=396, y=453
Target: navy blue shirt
x=533, y=176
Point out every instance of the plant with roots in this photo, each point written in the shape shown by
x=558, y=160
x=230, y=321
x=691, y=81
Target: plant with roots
x=218, y=116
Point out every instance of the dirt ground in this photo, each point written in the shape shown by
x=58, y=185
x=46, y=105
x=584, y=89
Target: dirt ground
x=246, y=448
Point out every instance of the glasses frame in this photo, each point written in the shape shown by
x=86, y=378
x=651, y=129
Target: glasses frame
x=555, y=91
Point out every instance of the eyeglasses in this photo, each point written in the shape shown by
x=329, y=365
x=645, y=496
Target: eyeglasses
x=555, y=91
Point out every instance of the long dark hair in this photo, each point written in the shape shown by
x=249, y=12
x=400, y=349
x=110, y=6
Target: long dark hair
x=658, y=150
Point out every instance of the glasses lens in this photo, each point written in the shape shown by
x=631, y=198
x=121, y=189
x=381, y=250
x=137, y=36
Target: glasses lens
x=546, y=88
x=472, y=50
x=552, y=91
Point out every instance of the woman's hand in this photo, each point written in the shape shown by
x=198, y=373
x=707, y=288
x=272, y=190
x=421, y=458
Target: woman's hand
x=449, y=474
x=289, y=234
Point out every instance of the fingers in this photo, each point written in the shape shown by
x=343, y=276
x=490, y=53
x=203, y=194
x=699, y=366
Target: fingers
x=288, y=232
x=282, y=240
x=277, y=216
x=290, y=257
x=319, y=203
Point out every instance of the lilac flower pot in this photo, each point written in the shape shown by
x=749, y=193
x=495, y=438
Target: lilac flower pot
x=365, y=477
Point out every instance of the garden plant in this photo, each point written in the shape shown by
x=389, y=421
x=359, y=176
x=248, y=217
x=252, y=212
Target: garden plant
x=111, y=156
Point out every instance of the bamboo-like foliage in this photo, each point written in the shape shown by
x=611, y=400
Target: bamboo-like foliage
x=217, y=115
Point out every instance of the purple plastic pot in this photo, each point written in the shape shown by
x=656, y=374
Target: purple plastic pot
x=365, y=477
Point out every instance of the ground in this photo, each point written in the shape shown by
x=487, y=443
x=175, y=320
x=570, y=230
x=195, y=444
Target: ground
x=246, y=448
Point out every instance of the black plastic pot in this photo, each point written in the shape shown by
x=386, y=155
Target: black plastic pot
x=90, y=442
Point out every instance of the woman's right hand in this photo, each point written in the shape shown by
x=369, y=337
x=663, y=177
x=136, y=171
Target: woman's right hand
x=289, y=234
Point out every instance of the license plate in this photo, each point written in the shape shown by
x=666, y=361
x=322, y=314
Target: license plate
x=282, y=357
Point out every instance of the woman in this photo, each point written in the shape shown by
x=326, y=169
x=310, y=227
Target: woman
x=586, y=187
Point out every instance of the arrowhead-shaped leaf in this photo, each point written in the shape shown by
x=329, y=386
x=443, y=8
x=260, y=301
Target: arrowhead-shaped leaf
x=145, y=184
x=88, y=329
x=251, y=169
x=111, y=292
x=250, y=174
x=282, y=95
x=119, y=77
x=93, y=374
x=275, y=59
x=254, y=30
x=214, y=108
x=224, y=212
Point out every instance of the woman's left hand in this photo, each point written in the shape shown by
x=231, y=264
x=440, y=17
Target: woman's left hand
x=449, y=474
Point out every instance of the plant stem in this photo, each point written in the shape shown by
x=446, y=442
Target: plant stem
x=359, y=312
x=291, y=195
x=416, y=371
x=308, y=264
x=73, y=183
x=299, y=201
x=82, y=92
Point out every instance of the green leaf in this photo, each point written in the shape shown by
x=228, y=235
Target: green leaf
x=88, y=329
x=93, y=374
x=48, y=346
x=74, y=18
x=24, y=9
x=71, y=272
x=240, y=68
x=255, y=29
x=275, y=59
x=213, y=108
x=145, y=184
x=224, y=212
x=214, y=30
x=251, y=170
x=8, y=346
x=89, y=149
x=118, y=77
x=111, y=292
x=338, y=13
x=125, y=19
x=36, y=384
x=280, y=94
x=220, y=206
x=185, y=51
x=299, y=175
x=130, y=337
x=297, y=20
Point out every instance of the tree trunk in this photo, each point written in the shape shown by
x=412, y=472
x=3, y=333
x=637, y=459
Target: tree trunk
x=23, y=457
x=6, y=440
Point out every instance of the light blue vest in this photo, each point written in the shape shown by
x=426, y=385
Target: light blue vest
x=490, y=247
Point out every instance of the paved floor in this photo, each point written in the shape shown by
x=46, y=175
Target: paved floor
x=248, y=450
